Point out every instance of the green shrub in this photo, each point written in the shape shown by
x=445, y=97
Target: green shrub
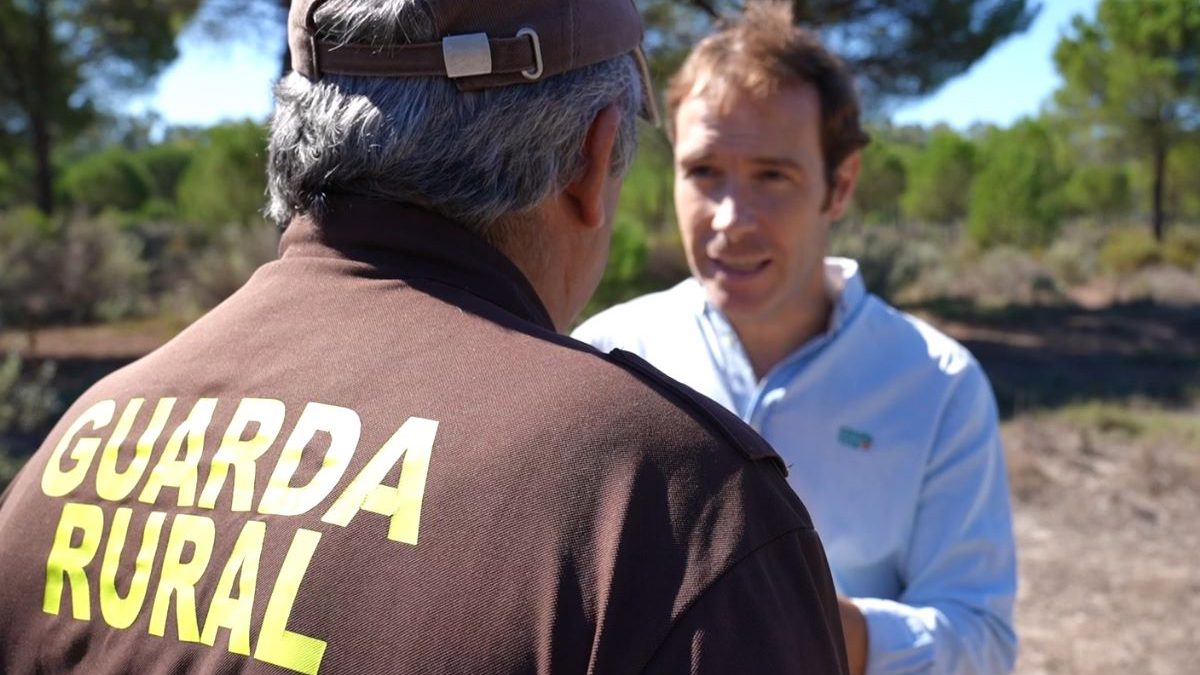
x=1099, y=191
x=1128, y=250
x=7, y=183
x=113, y=178
x=939, y=179
x=156, y=208
x=624, y=277
x=1182, y=248
x=645, y=220
x=1014, y=199
x=647, y=197
x=881, y=181
x=16, y=176
x=1182, y=182
x=166, y=164
x=226, y=181
x=23, y=222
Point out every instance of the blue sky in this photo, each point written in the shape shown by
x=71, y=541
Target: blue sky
x=1012, y=81
x=214, y=81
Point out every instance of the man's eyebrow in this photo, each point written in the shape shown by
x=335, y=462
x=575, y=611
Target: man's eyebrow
x=708, y=155
x=777, y=161
x=700, y=156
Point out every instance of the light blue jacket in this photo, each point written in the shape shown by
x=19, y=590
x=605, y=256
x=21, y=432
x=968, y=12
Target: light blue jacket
x=890, y=432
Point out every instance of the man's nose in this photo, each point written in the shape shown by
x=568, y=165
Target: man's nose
x=731, y=215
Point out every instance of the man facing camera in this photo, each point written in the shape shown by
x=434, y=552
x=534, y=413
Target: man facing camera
x=890, y=427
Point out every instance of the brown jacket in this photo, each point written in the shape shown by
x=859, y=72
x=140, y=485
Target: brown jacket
x=378, y=457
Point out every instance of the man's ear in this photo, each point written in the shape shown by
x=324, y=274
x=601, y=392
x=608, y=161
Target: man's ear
x=586, y=192
x=844, y=180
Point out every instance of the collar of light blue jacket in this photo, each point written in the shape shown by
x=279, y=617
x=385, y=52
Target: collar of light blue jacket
x=847, y=292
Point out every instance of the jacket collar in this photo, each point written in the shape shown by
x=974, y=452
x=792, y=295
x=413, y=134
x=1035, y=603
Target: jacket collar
x=406, y=241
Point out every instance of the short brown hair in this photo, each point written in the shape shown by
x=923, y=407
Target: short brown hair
x=765, y=50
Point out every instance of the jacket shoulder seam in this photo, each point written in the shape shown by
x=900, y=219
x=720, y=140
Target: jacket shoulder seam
x=748, y=445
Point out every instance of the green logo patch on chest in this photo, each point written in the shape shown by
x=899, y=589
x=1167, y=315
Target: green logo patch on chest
x=853, y=438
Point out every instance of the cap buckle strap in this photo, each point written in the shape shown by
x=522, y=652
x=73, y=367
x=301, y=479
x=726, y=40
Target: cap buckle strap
x=471, y=54
x=310, y=27
x=467, y=55
x=535, y=72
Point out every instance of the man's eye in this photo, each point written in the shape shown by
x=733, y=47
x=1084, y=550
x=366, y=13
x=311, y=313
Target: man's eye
x=772, y=175
x=700, y=171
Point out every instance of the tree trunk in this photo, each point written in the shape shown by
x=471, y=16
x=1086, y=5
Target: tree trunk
x=1158, y=219
x=31, y=341
x=44, y=178
x=39, y=110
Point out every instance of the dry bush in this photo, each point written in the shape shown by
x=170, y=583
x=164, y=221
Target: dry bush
x=73, y=269
x=891, y=259
x=1162, y=284
x=1128, y=250
x=28, y=401
x=1121, y=265
x=1182, y=248
x=1074, y=256
x=999, y=276
x=103, y=275
x=211, y=273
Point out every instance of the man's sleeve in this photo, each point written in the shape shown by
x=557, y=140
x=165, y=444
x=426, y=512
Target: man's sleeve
x=956, y=613
x=774, y=611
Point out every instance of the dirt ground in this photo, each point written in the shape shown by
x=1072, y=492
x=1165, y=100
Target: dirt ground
x=1101, y=425
x=1108, y=529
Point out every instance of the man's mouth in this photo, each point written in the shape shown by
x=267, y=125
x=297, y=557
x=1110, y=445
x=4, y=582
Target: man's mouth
x=739, y=269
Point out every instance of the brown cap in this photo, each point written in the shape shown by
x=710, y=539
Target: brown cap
x=485, y=43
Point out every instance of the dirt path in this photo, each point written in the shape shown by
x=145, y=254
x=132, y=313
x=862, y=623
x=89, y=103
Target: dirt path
x=128, y=340
x=1108, y=528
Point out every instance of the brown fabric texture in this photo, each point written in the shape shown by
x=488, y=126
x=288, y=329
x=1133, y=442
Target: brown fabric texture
x=576, y=513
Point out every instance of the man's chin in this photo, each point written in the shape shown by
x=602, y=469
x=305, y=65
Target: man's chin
x=734, y=303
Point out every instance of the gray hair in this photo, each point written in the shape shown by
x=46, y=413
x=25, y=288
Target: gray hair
x=475, y=157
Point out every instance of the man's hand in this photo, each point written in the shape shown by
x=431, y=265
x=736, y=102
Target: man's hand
x=854, y=627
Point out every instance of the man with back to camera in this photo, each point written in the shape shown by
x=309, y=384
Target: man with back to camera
x=379, y=455
x=890, y=426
